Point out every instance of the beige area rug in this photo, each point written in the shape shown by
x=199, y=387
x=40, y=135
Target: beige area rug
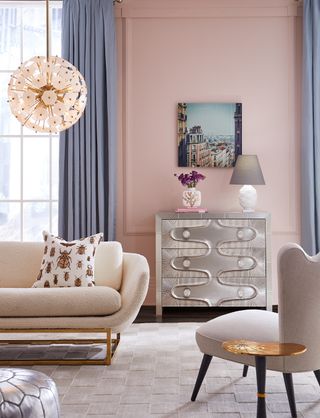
x=153, y=374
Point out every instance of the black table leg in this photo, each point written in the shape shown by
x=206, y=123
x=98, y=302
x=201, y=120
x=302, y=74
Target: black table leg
x=261, y=386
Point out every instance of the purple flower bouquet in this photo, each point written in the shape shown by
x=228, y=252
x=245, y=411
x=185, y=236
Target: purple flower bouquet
x=190, y=179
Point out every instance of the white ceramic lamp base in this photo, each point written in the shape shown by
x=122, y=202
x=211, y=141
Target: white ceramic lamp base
x=248, y=198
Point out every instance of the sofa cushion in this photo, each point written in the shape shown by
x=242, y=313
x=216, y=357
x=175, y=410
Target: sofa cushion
x=20, y=261
x=108, y=264
x=67, y=264
x=72, y=301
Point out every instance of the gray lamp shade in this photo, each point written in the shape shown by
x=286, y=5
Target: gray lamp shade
x=247, y=171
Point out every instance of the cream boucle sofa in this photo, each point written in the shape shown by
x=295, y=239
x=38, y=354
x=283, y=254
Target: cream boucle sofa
x=111, y=306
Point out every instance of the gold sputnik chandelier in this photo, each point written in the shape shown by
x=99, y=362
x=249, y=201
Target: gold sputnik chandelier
x=47, y=94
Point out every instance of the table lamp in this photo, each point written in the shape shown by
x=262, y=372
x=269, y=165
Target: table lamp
x=247, y=171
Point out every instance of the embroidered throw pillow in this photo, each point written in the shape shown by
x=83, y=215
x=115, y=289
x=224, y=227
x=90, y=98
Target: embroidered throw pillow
x=67, y=264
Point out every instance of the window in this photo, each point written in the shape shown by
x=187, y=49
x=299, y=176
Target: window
x=28, y=161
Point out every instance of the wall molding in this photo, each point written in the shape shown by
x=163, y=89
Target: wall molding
x=128, y=13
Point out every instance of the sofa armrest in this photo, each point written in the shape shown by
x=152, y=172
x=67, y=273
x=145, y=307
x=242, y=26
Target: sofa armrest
x=134, y=287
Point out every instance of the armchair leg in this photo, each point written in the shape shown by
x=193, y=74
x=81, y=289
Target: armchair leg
x=206, y=360
x=245, y=370
x=317, y=375
x=290, y=392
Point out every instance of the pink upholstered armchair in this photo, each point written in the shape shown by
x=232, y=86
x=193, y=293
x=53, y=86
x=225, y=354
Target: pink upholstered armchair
x=298, y=321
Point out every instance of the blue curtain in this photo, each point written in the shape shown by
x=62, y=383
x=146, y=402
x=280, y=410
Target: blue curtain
x=310, y=139
x=88, y=149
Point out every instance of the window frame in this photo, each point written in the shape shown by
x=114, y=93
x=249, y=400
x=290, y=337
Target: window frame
x=50, y=137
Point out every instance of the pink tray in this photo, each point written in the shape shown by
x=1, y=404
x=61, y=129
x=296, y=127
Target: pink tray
x=188, y=210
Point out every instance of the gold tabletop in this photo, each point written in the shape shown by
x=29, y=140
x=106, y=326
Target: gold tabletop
x=256, y=348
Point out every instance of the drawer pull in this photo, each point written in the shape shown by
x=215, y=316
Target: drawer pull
x=245, y=263
x=246, y=234
x=187, y=292
x=186, y=263
x=186, y=234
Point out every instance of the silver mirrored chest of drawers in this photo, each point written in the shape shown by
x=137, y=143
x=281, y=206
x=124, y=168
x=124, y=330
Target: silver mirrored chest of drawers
x=213, y=259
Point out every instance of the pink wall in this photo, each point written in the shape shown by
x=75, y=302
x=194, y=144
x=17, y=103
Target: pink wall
x=247, y=51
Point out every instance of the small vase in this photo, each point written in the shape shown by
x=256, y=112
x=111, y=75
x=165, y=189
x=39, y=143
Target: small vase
x=191, y=197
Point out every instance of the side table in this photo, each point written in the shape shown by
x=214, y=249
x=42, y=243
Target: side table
x=261, y=350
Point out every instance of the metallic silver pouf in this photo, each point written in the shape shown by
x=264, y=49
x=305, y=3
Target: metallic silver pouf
x=27, y=394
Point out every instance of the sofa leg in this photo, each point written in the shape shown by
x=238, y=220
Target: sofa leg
x=112, y=344
x=108, y=348
x=245, y=370
x=107, y=340
x=206, y=360
x=290, y=392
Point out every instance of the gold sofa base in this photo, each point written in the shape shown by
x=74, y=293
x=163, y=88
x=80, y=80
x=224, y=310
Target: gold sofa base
x=111, y=346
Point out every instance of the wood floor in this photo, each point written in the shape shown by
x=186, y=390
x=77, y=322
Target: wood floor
x=179, y=314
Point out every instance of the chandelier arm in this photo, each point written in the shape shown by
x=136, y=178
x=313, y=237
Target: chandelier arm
x=29, y=115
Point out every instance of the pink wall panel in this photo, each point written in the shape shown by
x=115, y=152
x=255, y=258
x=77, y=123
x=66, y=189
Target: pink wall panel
x=206, y=51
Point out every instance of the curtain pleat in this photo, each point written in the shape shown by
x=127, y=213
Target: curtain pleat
x=88, y=149
x=310, y=138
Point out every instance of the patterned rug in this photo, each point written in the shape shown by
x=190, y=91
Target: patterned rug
x=153, y=374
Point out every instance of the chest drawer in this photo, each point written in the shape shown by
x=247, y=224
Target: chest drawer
x=225, y=292
x=213, y=262
x=213, y=233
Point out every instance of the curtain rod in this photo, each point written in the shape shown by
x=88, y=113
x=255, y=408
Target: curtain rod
x=117, y=1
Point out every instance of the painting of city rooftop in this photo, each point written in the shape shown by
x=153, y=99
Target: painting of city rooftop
x=209, y=134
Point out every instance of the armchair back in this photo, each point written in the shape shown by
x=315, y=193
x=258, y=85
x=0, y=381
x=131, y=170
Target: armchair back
x=299, y=305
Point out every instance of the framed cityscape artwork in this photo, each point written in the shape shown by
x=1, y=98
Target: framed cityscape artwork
x=209, y=134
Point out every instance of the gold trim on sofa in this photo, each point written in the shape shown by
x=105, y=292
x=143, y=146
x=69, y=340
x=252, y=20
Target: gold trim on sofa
x=111, y=345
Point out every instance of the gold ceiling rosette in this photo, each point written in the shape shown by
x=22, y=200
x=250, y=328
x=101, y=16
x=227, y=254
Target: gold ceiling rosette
x=47, y=94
